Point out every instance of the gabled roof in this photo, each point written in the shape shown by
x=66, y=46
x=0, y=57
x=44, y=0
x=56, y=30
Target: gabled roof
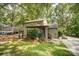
x=35, y=23
x=40, y=22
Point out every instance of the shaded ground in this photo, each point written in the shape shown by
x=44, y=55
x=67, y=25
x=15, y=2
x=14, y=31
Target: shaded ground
x=29, y=48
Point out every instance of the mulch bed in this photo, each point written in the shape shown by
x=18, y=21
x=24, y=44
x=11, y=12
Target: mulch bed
x=8, y=37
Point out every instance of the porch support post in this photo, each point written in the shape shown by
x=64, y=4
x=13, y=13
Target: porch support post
x=25, y=32
x=46, y=32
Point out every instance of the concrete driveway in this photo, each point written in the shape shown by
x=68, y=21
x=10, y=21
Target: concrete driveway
x=72, y=44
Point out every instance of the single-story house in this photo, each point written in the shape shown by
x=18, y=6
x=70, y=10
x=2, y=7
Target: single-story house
x=49, y=31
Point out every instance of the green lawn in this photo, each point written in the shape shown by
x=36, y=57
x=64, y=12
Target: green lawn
x=27, y=48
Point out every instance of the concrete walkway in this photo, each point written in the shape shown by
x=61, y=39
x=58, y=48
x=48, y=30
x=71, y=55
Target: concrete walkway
x=73, y=44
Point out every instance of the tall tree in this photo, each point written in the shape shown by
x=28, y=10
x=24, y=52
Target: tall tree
x=63, y=16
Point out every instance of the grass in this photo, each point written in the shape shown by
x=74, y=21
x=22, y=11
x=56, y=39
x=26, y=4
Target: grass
x=27, y=48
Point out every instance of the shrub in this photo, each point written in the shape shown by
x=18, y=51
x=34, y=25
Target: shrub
x=34, y=33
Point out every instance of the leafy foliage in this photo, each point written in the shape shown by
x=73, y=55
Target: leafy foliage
x=67, y=18
x=65, y=14
x=34, y=33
